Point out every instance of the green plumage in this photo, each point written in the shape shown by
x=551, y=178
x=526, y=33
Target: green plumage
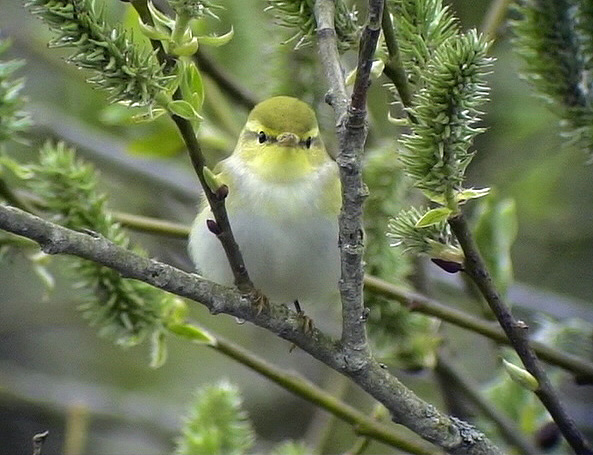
x=284, y=114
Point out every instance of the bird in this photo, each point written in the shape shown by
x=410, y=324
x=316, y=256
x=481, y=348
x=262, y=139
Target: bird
x=283, y=202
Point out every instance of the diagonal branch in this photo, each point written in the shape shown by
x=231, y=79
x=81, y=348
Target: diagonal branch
x=516, y=332
x=580, y=367
x=506, y=426
x=363, y=425
x=452, y=435
x=216, y=199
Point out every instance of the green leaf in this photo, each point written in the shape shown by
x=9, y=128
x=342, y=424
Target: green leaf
x=158, y=351
x=521, y=376
x=196, y=334
x=495, y=231
x=217, y=40
x=186, y=49
x=460, y=196
x=183, y=109
x=192, y=85
x=471, y=193
x=160, y=19
x=434, y=216
x=152, y=32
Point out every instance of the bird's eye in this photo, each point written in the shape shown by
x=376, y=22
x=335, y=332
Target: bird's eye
x=261, y=137
x=308, y=142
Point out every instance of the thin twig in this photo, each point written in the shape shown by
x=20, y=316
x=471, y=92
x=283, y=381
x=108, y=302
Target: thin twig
x=362, y=443
x=152, y=225
x=293, y=382
x=494, y=17
x=394, y=68
x=230, y=86
x=582, y=368
x=38, y=441
x=215, y=200
x=454, y=436
x=508, y=428
x=217, y=205
x=516, y=331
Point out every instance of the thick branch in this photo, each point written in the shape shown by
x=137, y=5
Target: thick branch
x=330, y=57
x=580, y=367
x=352, y=137
x=516, y=331
x=453, y=435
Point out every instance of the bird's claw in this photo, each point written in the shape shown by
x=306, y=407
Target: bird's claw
x=306, y=322
x=259, y=301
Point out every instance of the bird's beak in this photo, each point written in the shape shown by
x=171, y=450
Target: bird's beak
x=288, y=139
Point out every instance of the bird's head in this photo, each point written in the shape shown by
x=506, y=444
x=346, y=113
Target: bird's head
x=280, y=141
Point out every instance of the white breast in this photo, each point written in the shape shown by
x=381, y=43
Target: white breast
x=289, y=245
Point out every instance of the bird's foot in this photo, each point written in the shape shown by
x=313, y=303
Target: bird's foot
x=305, y=321
x=259, y=300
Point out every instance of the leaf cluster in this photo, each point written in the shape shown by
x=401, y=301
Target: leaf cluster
x=128, y=72
x=446, y=109
x=216, y=424
x=299, y=15
x=421, y=26
x=13, y=119
x=555, y=40
x=124, y=310
x=447, y=73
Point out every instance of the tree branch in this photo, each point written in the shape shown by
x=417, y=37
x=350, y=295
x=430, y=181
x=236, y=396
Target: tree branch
x=330, y=58
x=454, y=436
x=363, y=425
x=236, y=92
x=581, y=368
x=508, y=429
x=352, y=137
x=215, y=199
x=516, y=332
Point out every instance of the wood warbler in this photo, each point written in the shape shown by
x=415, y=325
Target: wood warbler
x=283, y=203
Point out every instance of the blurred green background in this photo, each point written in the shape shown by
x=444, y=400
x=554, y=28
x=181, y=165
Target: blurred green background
x=53, y=365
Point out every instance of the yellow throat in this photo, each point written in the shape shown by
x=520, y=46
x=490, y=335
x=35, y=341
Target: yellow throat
x=280, y=141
